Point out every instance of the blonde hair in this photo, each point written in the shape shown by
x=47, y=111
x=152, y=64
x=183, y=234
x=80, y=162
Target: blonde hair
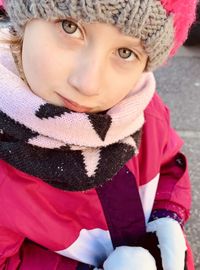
x=13, y=41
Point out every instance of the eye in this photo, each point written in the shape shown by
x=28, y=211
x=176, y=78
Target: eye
x=127, y=54
x=71, y=28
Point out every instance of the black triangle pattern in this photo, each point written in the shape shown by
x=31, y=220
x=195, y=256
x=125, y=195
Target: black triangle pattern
x=101, y=124
x=50, y=111
x=14, y=130
x=62, y=167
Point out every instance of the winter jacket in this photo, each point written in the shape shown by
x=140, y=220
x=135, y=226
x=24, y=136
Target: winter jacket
x=38, y=222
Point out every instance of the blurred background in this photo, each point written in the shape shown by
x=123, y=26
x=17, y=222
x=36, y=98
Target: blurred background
x=178, y=82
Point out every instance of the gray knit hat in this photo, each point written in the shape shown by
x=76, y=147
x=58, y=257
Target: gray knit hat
x=144, y=19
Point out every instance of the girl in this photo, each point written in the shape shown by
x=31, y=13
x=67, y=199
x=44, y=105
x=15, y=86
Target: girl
x=91, y=171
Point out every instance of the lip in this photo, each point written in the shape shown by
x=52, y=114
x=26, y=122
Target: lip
x=71, y=105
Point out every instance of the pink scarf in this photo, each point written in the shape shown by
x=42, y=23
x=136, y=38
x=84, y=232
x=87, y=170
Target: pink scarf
x=69, y=150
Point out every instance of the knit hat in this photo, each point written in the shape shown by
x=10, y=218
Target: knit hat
x=162, y=25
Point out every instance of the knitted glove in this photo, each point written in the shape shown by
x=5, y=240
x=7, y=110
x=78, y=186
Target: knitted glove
x=171, y=242
x=128, y=258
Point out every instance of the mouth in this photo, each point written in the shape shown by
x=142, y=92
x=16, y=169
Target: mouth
x=71, y=105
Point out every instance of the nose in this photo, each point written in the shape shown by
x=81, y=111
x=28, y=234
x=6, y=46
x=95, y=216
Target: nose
x=86, y=75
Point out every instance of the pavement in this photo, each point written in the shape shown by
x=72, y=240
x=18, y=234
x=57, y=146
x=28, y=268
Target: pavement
x=178, y=83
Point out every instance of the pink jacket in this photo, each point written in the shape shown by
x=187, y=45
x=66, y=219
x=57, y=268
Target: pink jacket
x=73, y=224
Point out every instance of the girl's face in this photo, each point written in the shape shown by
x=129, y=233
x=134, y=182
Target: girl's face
x=83, y=67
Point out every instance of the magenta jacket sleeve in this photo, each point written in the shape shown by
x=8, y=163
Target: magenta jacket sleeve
x=173, y=196
x=10, y=243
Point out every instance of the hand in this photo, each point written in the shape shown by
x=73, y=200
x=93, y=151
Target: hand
x=130, y=258
x=171, y=242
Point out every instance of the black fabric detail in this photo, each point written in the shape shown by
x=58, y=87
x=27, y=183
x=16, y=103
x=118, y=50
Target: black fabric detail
x=150, y=242
x=180, y=160
x=101, y=124
x=12, y=130
x=50, y=111
x=83, y=266
x=186, y=268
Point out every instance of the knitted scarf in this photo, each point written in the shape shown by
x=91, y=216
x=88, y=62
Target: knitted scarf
x=69, y=150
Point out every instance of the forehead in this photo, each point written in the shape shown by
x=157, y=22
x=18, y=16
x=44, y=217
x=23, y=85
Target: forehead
x=113, y=31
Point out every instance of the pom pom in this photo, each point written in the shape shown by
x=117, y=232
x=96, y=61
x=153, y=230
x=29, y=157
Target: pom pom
x=183, y=12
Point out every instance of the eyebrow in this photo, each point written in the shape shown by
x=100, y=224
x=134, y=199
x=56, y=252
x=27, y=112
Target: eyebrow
x=133, y=43
x=137, y=40
x=129, y=39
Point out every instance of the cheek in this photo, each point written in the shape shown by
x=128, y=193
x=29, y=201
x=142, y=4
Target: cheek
x=124, y=76
x=42, y=63
x=123, y=84
x=47, y=69
x=36, y=64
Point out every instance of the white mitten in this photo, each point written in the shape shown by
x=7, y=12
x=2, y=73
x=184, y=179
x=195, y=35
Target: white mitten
x=130, y=258
x=171, y=242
